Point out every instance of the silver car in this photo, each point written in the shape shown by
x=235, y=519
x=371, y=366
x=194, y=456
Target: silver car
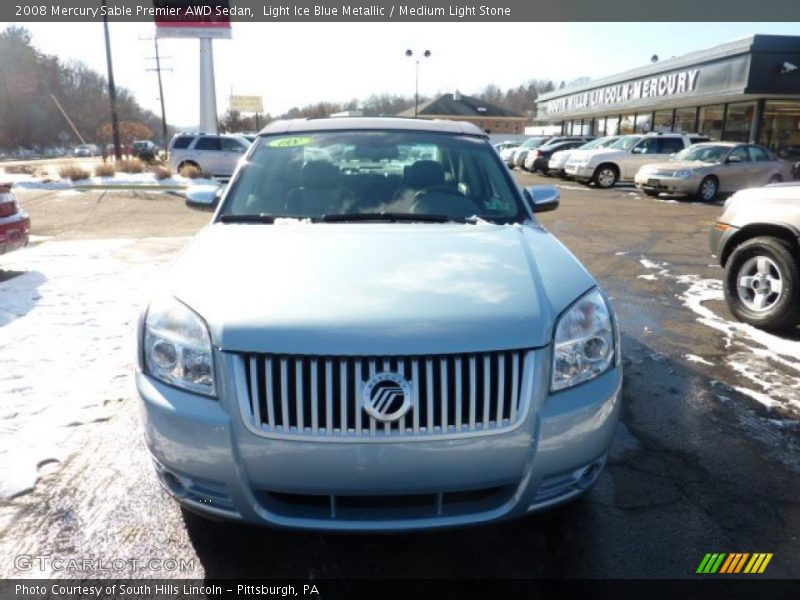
x=708, y=169
x=212, y=155
x=377, y=341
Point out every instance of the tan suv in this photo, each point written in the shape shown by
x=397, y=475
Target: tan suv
x=757, y=240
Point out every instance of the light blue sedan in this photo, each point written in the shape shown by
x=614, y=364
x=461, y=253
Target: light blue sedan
x=375, y=333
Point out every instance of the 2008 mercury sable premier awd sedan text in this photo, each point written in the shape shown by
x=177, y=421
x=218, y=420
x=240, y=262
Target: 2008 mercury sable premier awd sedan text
x=375, y=333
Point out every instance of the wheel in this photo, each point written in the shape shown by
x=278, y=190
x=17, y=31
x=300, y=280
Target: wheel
x=762, y=283
x=775, y=179
x=708, y=189
x=605, y=176
x=652, y=193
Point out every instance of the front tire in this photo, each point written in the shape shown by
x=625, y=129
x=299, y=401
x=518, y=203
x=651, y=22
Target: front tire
x=708, y=190
x=605, y=176
x=762, y=284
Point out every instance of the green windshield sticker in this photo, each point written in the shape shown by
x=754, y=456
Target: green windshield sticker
x=290, y=142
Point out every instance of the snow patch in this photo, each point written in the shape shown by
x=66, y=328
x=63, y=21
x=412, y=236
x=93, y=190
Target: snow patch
x=697, y=359
x=66, y=324
x=767, y=360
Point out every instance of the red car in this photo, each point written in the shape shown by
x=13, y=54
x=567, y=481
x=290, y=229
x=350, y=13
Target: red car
x=14, y=222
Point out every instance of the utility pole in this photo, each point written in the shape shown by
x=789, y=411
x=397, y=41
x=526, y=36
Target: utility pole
x=112, y=89
x=158, y=70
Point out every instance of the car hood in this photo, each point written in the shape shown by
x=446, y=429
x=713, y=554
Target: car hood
x=578, y=154
x=377, y=289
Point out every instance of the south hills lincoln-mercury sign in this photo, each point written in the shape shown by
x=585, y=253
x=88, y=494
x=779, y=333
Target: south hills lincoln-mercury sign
x=671, y=84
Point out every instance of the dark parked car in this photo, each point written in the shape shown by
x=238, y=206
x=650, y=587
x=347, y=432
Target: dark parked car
x=537, y=159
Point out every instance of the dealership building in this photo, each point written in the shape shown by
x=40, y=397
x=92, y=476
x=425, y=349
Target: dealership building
x=747, y=90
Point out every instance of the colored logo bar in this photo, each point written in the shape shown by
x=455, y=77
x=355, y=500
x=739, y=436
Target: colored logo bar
x=734, y=563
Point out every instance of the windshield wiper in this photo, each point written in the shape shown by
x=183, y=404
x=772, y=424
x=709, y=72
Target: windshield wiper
x=394, y=217
x=260, y=218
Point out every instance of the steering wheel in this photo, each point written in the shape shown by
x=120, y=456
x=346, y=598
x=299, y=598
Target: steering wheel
x=443, y=200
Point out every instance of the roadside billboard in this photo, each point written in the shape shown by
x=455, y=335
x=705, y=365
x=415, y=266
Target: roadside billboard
x=192, y=18
x=247, y=104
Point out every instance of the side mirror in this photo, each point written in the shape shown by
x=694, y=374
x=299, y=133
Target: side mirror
x=203, y=197
x=543, y=198
x=734, y=159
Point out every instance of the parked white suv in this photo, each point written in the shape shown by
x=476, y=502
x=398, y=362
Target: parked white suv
x=215, y=155
x=622, y=160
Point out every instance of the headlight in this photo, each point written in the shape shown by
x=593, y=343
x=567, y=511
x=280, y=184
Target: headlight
x=683, y=174
x=584, y=342
x=177, y=347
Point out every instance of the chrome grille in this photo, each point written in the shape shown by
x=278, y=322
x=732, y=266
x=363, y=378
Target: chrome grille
x=318, y=396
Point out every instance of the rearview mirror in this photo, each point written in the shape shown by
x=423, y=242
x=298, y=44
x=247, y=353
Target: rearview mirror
x=543, y=198
x=203, y=197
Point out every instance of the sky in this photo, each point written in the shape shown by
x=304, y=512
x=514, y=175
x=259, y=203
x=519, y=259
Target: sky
x=293, y=64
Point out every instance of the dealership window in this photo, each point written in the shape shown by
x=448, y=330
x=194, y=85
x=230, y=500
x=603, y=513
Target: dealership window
x=739, y=121
x=685, y=120
x=644, y=123
x=710, y=120
x=612, y=126
x=600, y=127
x=662, y=120
x=627, y=124
x=780, y=130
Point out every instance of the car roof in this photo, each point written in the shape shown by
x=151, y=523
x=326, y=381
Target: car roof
x=726, y=144
x=371, y=123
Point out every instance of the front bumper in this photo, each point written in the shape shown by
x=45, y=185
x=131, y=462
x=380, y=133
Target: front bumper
x=668, y=185
x=211, y=462
x=580, y=172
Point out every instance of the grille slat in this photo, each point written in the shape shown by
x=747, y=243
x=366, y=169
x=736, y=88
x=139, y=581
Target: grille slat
x=298, y=392
x=284, y=395
x=343, y=394
x=487, y=388
x=473, y=383
x=321, y=397
x=328, y=395
x=501, y=382
x=255, y=390
x=269, y=398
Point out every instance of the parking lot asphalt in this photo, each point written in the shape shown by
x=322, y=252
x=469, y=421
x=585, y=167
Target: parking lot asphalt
x=702, y=462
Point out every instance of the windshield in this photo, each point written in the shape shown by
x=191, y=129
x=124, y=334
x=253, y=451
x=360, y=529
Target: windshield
x=626, y=142
x=533, y=142
x=709, y=154
x=335, y=175
x=598, y=143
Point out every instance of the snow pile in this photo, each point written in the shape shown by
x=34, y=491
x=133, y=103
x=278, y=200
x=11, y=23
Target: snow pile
x=67, y=344
x=770, y=362
x=120, y=179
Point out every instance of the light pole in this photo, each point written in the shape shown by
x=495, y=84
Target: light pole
x=410, y=54
x=112, y=89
